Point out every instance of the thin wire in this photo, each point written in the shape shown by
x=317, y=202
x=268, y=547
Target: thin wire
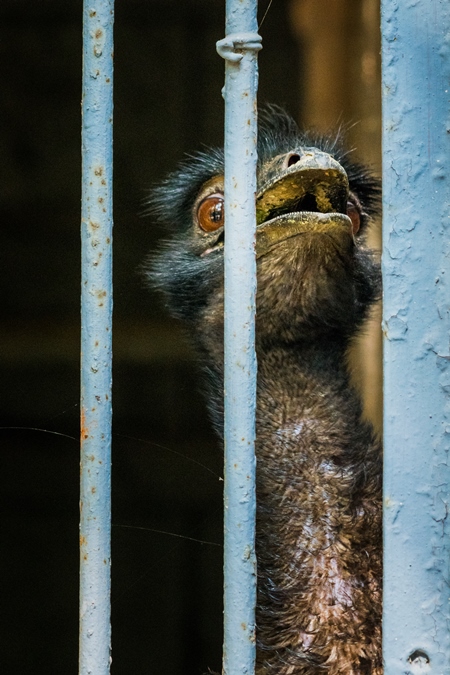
x=171, y=534
x=265, y=14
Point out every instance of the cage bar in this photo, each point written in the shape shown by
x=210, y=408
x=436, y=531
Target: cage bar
x=416, y=326
x=239, y=48
x=96, y=333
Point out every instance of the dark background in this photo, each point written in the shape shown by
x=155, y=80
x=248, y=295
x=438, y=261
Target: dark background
x=166, y=597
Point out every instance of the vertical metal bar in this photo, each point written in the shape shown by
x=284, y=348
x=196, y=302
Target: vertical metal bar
x=239, y=48
x=96, y=349
x=416, y=266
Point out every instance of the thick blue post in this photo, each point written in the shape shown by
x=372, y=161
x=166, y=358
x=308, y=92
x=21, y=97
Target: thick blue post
x=239, y=48
x=96, y=317
x=416, y=266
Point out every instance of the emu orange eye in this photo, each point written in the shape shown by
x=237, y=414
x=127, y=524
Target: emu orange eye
x=211, y=213
x=354, y=216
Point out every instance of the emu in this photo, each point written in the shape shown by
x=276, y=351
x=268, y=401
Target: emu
x=318, y=462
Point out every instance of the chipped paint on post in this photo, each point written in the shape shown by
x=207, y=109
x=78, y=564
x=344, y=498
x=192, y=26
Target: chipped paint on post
x=96, y=333
x=416, y=268
x=239, y=49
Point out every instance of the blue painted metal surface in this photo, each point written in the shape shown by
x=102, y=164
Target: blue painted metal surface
x=96, y=333
x=416, y=266
x=239, y=48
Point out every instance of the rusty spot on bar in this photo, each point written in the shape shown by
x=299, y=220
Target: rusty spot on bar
x=84, y=433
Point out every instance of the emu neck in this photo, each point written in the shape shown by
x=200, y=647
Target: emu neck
x=305, y=384
x=317, y=523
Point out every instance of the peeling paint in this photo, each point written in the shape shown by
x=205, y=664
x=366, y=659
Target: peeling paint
x=240, y=49
x=96, y=233
x=416, y=156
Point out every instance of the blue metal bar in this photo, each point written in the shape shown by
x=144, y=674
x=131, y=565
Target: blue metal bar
x=239, y=48
x=96, y=348
x=416, y=266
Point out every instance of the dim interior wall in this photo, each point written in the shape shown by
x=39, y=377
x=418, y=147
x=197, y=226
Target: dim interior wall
x=167, y=463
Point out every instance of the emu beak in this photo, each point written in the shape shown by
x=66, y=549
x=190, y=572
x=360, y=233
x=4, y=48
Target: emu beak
x=303, y=192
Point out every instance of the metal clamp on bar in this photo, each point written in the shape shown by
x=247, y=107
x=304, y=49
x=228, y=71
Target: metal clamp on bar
x=229, y=47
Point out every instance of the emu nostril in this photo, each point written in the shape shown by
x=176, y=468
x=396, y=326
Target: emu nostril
x=293, y=159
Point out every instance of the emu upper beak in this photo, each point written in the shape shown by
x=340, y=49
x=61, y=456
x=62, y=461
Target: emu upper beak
x=303, y=191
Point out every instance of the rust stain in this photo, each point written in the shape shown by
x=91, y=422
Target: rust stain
x=83, y=540
x=244, y=626
x=98, y=33
x=98, y=171
x=93, y=489
x=84, y=432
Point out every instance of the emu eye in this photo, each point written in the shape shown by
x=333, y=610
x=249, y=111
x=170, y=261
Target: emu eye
x=353, y=214
x=210, y=213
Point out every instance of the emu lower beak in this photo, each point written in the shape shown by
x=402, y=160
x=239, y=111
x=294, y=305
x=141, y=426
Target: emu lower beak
x=271, y=233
